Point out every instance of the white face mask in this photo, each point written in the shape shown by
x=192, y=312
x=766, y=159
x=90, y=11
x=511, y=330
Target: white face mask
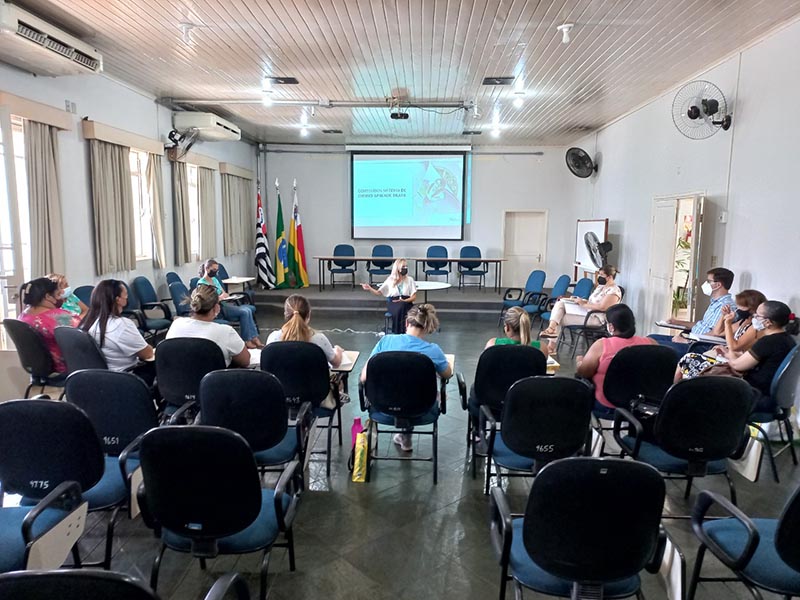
x=758, y=323
x=67, y=292
x=707, y=289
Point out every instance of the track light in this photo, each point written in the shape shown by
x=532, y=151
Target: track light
x=565, y=29
x=476, y=114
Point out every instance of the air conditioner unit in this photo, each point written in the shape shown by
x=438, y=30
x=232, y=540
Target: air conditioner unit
x=34, y=45
x=210, y=127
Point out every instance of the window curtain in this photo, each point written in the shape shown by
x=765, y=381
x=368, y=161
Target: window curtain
x=112, y=203
x=155, y=186
x=208, y=213
x=180, y=193
x=247, y=214
x=238, y=213
x=41, y=166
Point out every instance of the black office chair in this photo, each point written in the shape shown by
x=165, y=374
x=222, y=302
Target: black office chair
x=380, y=268
x=202, y=489
x=60, y=444
x=699, y=424
x=589, y=331
x=101, y=585
x=303, y=371
x=179, y=293
x=84, y=293
x=590, y=527
x=544, y=419
x=181, y=363
x=80, y=350
x=343, y=266
x=400, y=392
x=499, y=367
x=173, y=277
x=34, y=356
x=253, y=404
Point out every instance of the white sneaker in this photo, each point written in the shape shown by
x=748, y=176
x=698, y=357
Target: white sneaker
x=404, y=441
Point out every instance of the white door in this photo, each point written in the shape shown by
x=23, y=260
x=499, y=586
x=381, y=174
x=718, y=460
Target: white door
x=662, y=263
x=524, y=245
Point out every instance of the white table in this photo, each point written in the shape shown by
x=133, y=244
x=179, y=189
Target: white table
x=430, y=286
x=242, y=281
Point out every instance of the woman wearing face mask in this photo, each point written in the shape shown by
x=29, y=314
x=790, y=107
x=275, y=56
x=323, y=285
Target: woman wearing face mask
x=42, y=302
x=739, y=333
x=70, y=302
x=244, y=313
x=400, y=290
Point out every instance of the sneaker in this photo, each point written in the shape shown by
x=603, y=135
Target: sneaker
x=481, y=447
x=404, y=441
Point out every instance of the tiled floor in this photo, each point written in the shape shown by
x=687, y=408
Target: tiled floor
x=399, y=536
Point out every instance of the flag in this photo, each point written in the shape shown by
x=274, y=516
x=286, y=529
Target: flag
x=264, y=273
x=297, y=251
x=281, y=247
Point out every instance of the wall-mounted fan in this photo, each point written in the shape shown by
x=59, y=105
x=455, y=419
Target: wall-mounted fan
x=580, y=163
x=182, y=141
x=700, y=110
x=598, y=251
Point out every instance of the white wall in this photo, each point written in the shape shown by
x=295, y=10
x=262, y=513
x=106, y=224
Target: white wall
x=107, y=101
x=511, y=179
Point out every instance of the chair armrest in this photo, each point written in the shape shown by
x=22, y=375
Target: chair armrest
x=287, y=483
x=654, y=564
x=492, y=422
x=501, y=527
x=621, y=416
x=173, y=420
x=123, y=460
x=512, y=294
x=462, y=390
x=589, y=316
x=704, y=502
x=443, y=396
x=160, y=306
x=362, y=396
x=533, y=298
x=65, y=496
x=232, y=582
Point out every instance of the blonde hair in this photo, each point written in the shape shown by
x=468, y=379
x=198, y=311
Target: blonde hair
x=424, y=317
x=296, y=310
x=203, y=299
x=396, y=277
x=519, y=322
x=58, y=278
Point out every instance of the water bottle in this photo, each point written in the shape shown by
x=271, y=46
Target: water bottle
x=355, y=430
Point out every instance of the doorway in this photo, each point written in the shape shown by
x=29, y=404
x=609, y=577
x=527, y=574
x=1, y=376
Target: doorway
x=524, y=245
x=675, y=241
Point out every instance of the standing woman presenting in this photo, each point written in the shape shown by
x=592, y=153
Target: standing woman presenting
x=400, y=291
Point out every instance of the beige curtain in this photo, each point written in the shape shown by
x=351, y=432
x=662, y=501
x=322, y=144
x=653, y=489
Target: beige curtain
x=112, y=202
x=155, y=186
x=180, y=202
x=238, y=213
x=41, y=166
x=208, y=213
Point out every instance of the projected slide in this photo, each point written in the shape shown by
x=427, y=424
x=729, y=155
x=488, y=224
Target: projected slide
x=408, y=196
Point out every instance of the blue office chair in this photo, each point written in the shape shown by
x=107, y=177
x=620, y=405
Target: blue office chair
x=80, y=349
x=583, y=288
x=436, y=268
x=173, y=277
x=380, y=268
x=193, y=283
x=530, y=296
x=546, y=306
x=179, y=293
x=344, y=266
x=144, y=298
x=471, y=268
x=84, y=293
x=181, y=363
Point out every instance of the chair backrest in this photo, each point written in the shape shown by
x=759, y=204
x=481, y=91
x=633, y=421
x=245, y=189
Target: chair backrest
x=222, y=272
x=178, y=292
x=119, y=405
x=302, y=369
x=382, y=250
x=560, y=287
x=44, y=443
x=251, y=403
x=33, y=354
x=193, y=283
x=593, y=519
x=703, y=419
x=84, y=293
x=435, y=252
x=499, y=367
x=173, y=277
x=181, y=363
x=71, y=584
x=344, y=250
x=640, y=372
x=79, y=349
x=144, y=290
x=787, y=532
x=547, y=418
x=785, y=387
x=201, y=482
x=469, y=252
x=535, y=281
x=583, y=288
x=401, y=384
x=133, y=298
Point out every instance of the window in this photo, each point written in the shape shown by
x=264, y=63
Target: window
x=194, y=211
x=142, y=205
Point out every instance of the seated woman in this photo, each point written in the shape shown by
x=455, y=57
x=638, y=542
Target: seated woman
x=43, y=312
x=401, y=291
x=605, y=295
x=204, y=304
x=759, y=364
x=297, y=314
x=621, y=325
x=420, y=320
x=71, y=302
x=245, y=313
x=738, y=339
x=119, y=339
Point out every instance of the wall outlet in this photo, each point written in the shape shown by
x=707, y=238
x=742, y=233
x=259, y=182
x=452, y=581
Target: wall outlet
x=723, y=217
x=714, y=261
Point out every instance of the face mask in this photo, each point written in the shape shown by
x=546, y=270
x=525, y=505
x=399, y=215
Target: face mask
x=212, y=273
x=67, y=292
x=740, y=315
x=758, y=324
x=602, y=280
x=404, y=271
x=706, y=287
x=58, y=302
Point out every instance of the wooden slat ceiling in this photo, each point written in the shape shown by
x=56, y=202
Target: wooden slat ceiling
x=622, y=53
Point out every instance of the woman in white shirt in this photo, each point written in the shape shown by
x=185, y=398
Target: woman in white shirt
x=400, y=291
x=297, y=314
x=119, y=339
x=204, y=303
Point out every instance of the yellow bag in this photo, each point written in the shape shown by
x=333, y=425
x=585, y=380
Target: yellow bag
x=361, y=458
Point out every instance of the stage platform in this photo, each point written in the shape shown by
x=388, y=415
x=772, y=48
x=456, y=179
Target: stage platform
x=470, y=304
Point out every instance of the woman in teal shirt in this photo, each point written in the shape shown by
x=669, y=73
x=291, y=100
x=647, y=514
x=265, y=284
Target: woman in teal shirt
x=244, y=313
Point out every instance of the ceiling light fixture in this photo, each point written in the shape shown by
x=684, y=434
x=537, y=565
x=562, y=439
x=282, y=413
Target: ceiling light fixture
x=266, y=99
x=519, y=99
x=186, y=32
x=303, y=119
x=495, y=132
x=476, y=114
x=304, y=132
x=565, y=29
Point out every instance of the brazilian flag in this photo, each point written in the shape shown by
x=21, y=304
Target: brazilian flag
x=281, y=251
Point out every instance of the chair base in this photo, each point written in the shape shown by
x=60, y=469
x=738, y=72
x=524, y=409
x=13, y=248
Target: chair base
x=371, y=451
